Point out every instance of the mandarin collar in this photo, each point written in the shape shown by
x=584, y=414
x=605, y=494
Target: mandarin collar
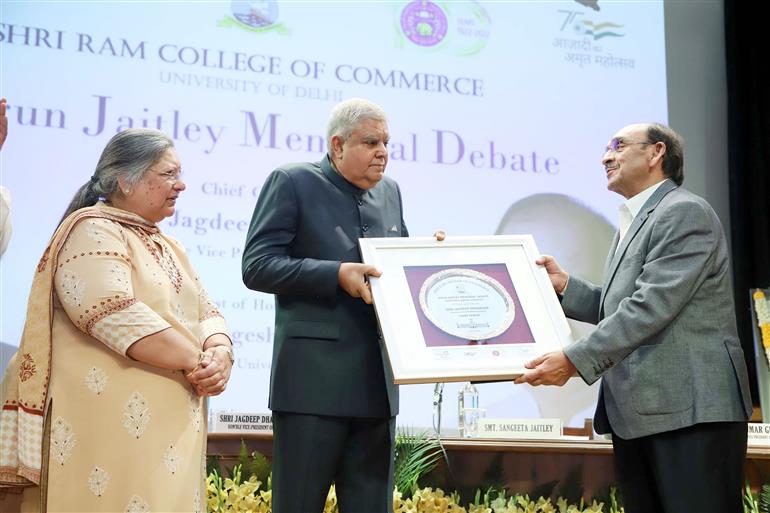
x=337, y=179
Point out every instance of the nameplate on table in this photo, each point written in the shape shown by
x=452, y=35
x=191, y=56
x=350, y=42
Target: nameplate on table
x=230, y=422
x=538, y=429
x=759, y=434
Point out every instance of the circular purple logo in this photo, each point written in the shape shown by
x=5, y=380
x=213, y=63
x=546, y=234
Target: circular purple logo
x=424, y=23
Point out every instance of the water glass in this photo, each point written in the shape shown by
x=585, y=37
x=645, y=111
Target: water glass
x=471, y=419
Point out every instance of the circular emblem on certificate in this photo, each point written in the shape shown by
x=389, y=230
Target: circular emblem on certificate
x=467, y=304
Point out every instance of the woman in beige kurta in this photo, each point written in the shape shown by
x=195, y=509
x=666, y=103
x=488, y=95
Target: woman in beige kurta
x=124, y=435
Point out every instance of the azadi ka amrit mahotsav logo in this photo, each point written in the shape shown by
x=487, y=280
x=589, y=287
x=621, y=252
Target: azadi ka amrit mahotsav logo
x=598, y=30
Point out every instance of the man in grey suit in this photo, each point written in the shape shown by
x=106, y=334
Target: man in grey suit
x=674, y=392
x=331, y=389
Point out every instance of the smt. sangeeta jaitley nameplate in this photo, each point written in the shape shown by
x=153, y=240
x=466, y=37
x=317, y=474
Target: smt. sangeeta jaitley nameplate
x=463, y=309
x=467, y=304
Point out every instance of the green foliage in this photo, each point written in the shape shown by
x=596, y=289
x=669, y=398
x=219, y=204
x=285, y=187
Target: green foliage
x=249, y=487
x=216, y=496
x=488, y=495
x=477, y=498
x=254, y=464
x=750, y=503
x=764, y=499
x=416, y=454
x=213, y=465
x=756, y=503
x=614, y=506
x=493, y=500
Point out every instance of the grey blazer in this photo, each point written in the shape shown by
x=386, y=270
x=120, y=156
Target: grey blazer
x=666, y=343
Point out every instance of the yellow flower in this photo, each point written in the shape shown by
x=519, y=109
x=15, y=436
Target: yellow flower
x=331, y=501
x=544, y=505
x=595, y=507
x=501, y=505
x=231, y=495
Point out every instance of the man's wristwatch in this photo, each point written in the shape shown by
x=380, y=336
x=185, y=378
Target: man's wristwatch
x=229, y=352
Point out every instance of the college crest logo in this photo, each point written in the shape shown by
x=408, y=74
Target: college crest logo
x=423, y=23
x=459, y=28
x=254, y=16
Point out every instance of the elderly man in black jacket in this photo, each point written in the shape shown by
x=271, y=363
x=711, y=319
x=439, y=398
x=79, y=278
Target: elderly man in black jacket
x=331, y=389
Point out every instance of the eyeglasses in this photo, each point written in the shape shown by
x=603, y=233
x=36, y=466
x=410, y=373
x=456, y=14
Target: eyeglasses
x=618, y=144
x=171, y=176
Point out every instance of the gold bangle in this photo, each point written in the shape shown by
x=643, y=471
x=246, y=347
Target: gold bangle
x=201, y=357
x=229, y=351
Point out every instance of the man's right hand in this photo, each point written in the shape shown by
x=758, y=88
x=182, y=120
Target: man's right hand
x=558, y=276
x=352, y=278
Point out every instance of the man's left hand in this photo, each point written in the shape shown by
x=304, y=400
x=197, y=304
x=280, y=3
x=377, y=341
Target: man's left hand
x=552, y=368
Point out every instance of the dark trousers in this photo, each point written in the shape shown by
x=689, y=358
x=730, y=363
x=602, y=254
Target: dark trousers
x=698, y=468
x=310, y=452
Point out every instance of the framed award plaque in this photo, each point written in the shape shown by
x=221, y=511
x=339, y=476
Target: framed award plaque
x=463, y=309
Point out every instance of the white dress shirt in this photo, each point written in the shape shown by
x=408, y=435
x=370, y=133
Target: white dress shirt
x=631, y=207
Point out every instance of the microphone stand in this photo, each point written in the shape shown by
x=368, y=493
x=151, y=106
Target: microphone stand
x=438, y=394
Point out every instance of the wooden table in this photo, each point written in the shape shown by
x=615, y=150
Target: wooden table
x=570, y=468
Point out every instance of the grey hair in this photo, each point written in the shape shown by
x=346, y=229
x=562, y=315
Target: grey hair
x=347, y=115
x=129, y=154
x=673, y=159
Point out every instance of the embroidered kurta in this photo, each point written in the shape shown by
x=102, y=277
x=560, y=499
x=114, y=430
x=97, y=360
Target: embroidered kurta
x=124, y=436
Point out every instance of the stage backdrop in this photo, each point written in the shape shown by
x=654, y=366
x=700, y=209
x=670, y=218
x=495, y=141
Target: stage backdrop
x=498, y=112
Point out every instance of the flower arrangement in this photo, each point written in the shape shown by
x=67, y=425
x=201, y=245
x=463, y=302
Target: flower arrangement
x=763, y=320
x=233, y=495
x=427, y=500
x=249, y=489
